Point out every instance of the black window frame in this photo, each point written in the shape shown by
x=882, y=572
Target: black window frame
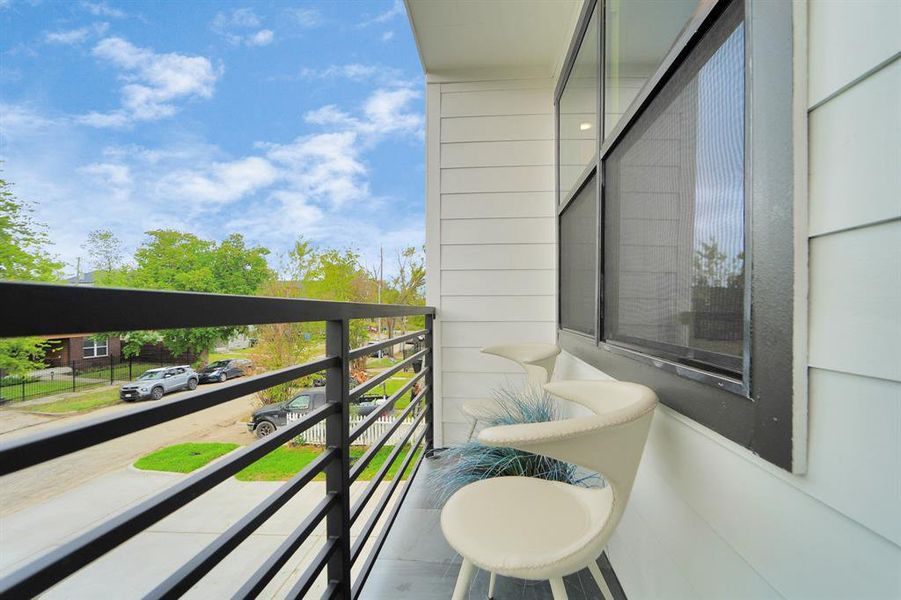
x=756, y=411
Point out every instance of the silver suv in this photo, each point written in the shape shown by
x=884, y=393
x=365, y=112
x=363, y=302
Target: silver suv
x=157, y=382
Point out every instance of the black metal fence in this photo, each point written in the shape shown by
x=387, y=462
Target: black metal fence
x=80, y=374
x=98, y=309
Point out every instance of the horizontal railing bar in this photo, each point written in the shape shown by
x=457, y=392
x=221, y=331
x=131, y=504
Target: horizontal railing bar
x=195, y=569
x=331, y=590
x=273, y=564
x=32, y=450
x=46, y=310
x=367, y=350
x=360, y=504
x=370, y=453
x=384, y=375
x=384, y=407
x=57, y=564
x=385, y=499
x=308, y=578
x=383, y=534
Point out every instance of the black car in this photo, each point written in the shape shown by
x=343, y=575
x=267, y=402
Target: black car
x=223, y=370
x=269, y=418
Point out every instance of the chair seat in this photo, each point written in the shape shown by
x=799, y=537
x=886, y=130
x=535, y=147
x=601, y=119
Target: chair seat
x=527, y=527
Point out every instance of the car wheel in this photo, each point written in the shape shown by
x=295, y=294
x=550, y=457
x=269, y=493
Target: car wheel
x=264, y=428
x=156, y=393
x=192, y=384
x=223, y=377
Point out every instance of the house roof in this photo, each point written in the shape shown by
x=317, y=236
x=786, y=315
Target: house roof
x=527, y=37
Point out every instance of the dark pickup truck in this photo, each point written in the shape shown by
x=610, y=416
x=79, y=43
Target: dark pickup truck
x=269, y=418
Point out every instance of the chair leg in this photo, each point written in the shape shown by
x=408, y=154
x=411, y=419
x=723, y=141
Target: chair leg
x=491, y=583
x=558, y=589
x=472, y=429
x=461, y=590
x=599, y=579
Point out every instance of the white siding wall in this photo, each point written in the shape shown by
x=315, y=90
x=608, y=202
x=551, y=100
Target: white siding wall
x=490, y=242
x=709, y=520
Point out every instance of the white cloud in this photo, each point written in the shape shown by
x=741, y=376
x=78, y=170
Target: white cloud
x=262, y=37
x=75, y=36
x=397, y=9
x=234, y=26
x=317, y=185
x=386, y=76
x=102, y=9
x=237, y=19
x=111, y=173
x=221, y=182
x=387, y=36
x=305, y=17
x=153, y=81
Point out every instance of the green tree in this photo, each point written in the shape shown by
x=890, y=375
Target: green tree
x=407, y=286
x=309, y=272
x=105, y=256
x=173, y=260
x=23, y=242
x=24, y=257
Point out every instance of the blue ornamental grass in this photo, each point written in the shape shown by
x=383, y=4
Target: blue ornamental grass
x=473, y=461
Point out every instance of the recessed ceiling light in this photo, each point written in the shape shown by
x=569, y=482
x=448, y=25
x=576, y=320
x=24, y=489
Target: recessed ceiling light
x=584, y=126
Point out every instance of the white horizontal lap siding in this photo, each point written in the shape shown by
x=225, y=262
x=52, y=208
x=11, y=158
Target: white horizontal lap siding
x=492, y=237
x=706, y=518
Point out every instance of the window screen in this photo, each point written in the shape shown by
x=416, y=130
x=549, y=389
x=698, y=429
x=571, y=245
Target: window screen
x=578, y=261
x=674, y=213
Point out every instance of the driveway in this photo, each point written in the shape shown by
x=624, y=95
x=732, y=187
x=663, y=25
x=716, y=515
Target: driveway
x=36, y=484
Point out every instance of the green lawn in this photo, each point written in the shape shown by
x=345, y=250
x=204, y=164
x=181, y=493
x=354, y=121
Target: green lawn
x=78, y=403
x=285, y=462
x=279, y=465
x=184, y=458
x=380, y=363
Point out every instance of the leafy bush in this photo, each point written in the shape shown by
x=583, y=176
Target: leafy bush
x=16, y=380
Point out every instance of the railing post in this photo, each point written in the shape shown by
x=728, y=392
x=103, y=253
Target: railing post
x=337, y=430
x=429, y=378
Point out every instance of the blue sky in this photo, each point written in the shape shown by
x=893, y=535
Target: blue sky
x=271, y=119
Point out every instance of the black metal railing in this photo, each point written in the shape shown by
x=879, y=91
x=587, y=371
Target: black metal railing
x=32, y=309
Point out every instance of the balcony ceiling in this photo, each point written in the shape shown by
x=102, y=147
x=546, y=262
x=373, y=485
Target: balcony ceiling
x=470, y=35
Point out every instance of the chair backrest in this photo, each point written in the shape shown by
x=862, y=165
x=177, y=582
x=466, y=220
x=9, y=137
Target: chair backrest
x=537, y=359
x=610, y=441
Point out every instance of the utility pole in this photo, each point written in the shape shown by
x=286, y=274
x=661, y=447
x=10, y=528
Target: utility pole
x=381, y=269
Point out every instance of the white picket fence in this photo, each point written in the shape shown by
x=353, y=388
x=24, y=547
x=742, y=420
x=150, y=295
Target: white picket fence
x=316, y=434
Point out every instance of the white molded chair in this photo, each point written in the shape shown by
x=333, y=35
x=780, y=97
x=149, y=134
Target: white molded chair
x=536, y=359
x=537, y=529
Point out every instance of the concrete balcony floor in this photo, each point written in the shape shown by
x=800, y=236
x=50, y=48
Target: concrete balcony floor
x=417, y=563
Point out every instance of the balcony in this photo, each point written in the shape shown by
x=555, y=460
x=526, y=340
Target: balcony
x=205, y=534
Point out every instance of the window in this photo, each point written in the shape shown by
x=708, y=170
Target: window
x=676, y=237
x=577, y=148
x=674, y=214
x=638, y=34
x=95, y=347
x=578, y=114
x=578, y=261
x=300, y=403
